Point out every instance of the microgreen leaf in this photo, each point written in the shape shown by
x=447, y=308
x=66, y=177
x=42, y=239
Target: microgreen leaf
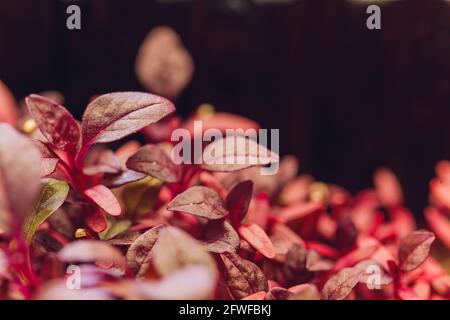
x=258, y=238
x=242, y=276
x=154, y=161
x=114, y=116
x=339, y=286
x=19, y=177
x=218, y=156
x=138, y=252
x=92, y=251
x=238, y=201
x=220, y=237
x=176, y=249
x=53, y=195
x=199, y=201
x=54, y=121
x=414, y=249
x=104, y=198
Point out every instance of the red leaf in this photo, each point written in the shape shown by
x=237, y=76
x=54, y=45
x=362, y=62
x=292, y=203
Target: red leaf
x=242, y=276
x=199, y=201
x=54, y=121
x=439, y=224
x=258, y=238
x=113, y=116
x=155, y=161
x=414, y=249
x=238, y=201
x=97, y=221
x=339, y=286
x=104, y=198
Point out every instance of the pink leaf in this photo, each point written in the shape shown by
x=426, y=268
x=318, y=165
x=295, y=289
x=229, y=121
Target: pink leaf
x=414, y=249
x=19, y=177
x=258, y=238
x=104, y=198
x=92, y=251
x=235, y=153
x=339, y=286
x=388, y=188
x=439, y=224
x=199, y=201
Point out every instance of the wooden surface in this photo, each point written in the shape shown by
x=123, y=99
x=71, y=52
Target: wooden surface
x=345, y=98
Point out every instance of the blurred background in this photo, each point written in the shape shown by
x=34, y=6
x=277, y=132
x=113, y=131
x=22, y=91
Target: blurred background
x=346, y=99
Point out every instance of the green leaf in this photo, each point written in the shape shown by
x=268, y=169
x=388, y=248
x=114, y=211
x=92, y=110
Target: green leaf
x=115, y=227
x=53, y=196
x=140, y=197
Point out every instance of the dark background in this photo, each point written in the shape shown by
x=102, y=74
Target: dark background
x=346, y=99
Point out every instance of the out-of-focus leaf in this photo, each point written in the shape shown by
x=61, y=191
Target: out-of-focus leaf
x=242, y=276
x=194, y=282
x=258, y=238
x=3, y=264
x=54, y=121
x=176, y=249
x=140, y=197
x=199, y=201
x=238, y=201
x=388, y=188
x=115, y=227
x=299, y=211
x=220, y=237
x=58, y=290
x=104, y=198
x=314, y=262
x=154, y=161
x=294, y=267
x=440, y=193
x=114, y=116
x=372, y=268
x=53, y=195
x=439, y=224
x=163, y=65
x=49, y=160
x=278, y=293
x=414, y=249
x=19, y=177
x=306, y=291
x=219, y=121
x=218, y=156
x=9, y=112
x=87, y=251
x=138, y=252
x=340, y=285
x=107, y=162
x=97, y=221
